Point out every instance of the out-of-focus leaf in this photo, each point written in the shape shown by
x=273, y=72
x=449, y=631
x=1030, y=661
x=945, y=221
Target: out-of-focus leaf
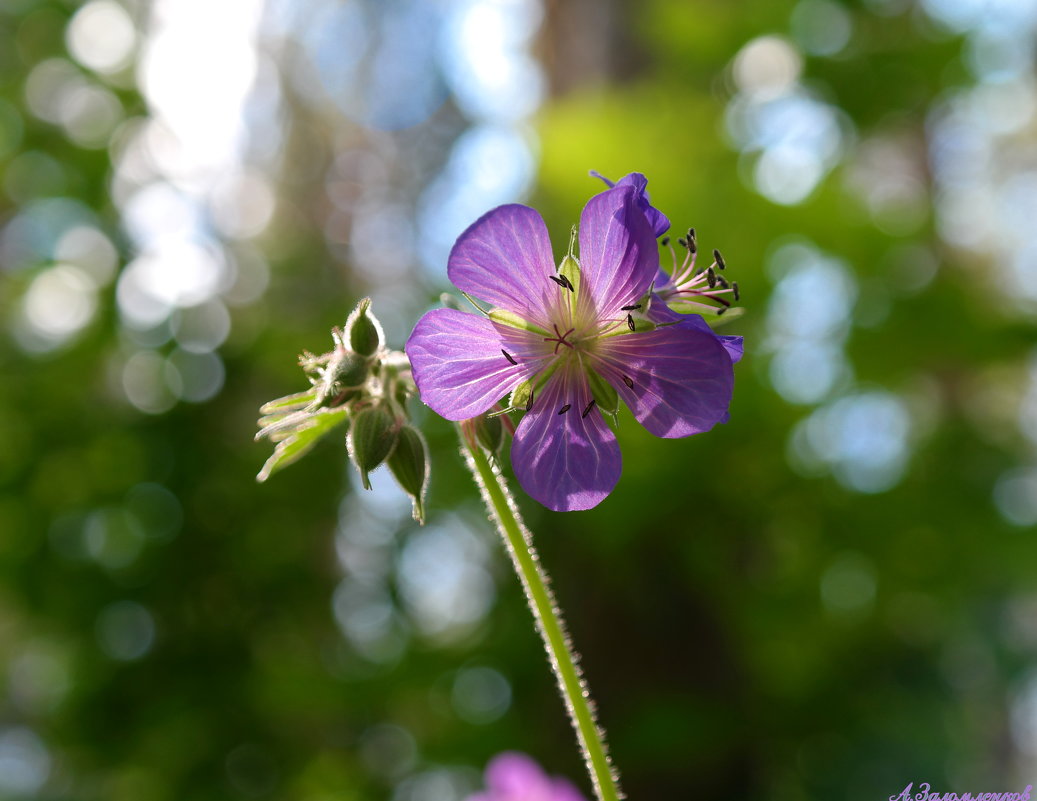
x=296, y=445
x=289, y=403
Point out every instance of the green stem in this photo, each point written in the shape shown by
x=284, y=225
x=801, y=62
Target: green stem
x=518, y=540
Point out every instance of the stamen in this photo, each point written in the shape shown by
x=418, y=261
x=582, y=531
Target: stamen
x=630, y=322
x=529, y=403
x=692, y=241
x=631, y=308
x=734, y=286
x=508, y=356
x=665, y=241
x=565, y=408
x=560, y=337
x=711, y=277
x=588, y=409
x=628, y=381
x=557, y=280
x=568, y=283
x=723, y=281
x=718, y=259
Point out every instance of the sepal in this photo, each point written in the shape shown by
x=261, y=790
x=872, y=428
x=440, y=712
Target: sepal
x=371, y=439
x=408, y=463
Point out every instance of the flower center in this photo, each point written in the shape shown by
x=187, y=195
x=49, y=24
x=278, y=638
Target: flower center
x=561, y=339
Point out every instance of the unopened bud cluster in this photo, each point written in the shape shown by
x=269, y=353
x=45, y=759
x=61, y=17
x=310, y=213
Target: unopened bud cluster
x=362, y=384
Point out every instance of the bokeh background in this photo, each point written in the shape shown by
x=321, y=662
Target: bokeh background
x=831, y=596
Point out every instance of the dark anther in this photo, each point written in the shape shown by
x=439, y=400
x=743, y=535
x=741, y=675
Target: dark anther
x=723, y=281
x=508, y=356
x=682, y=242
x=718, y=259
x=692, y=243
x=711, y=277
x=734, y=286
x=631, y=308
x=630, y=322
x=563, y=281
x=665, y=241
x=529, y=403
x=628, y=381
x=565, y=408
x=588, y=409
x=721, y=310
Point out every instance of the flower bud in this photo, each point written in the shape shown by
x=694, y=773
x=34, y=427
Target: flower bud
x=450, y=302
x=363, y=331
x=350, y=369
x=409, y=464
x=490, y=433
x=485, y=431
x=371, y=439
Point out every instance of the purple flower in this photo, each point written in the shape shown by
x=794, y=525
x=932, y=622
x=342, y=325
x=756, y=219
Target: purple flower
x=659, y=222
x=569, y=343
x=515, y=777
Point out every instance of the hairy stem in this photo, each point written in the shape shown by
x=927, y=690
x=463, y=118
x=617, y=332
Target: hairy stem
x=519, y=542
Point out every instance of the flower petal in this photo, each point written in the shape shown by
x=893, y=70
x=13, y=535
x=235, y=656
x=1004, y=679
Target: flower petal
x=661, y=313
x=504, y=258
x=566, y=461
x=618, y=254
x=680, y=378
x=458, y=363
x=515, y=775
x=659, y=221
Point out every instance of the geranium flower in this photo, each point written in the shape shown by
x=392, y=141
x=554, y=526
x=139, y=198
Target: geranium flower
x=512, y=776
x=569, y=340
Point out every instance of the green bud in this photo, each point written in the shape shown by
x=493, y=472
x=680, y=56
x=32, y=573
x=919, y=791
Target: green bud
x=409, y=464
x=371, y=439
x=363, y=331
x=350, y=369
x=490, y=433
x=604, y=394
x=450, y=301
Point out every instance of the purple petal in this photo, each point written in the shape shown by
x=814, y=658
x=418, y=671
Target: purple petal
x=504, y=258
x=659, y=221
x=459, y=365
x=512, y=775
x=732, y=344
x=618, y=254
x=566, y=461
x=681, y=378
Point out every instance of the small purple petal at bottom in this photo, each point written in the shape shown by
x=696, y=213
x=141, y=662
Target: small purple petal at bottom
x=512, y=776
x=567, y=460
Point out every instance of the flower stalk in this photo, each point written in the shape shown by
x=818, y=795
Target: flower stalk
x=519, y=543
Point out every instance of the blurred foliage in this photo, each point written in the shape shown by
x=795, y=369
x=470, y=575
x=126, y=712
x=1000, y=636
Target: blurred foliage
x=750, y=624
